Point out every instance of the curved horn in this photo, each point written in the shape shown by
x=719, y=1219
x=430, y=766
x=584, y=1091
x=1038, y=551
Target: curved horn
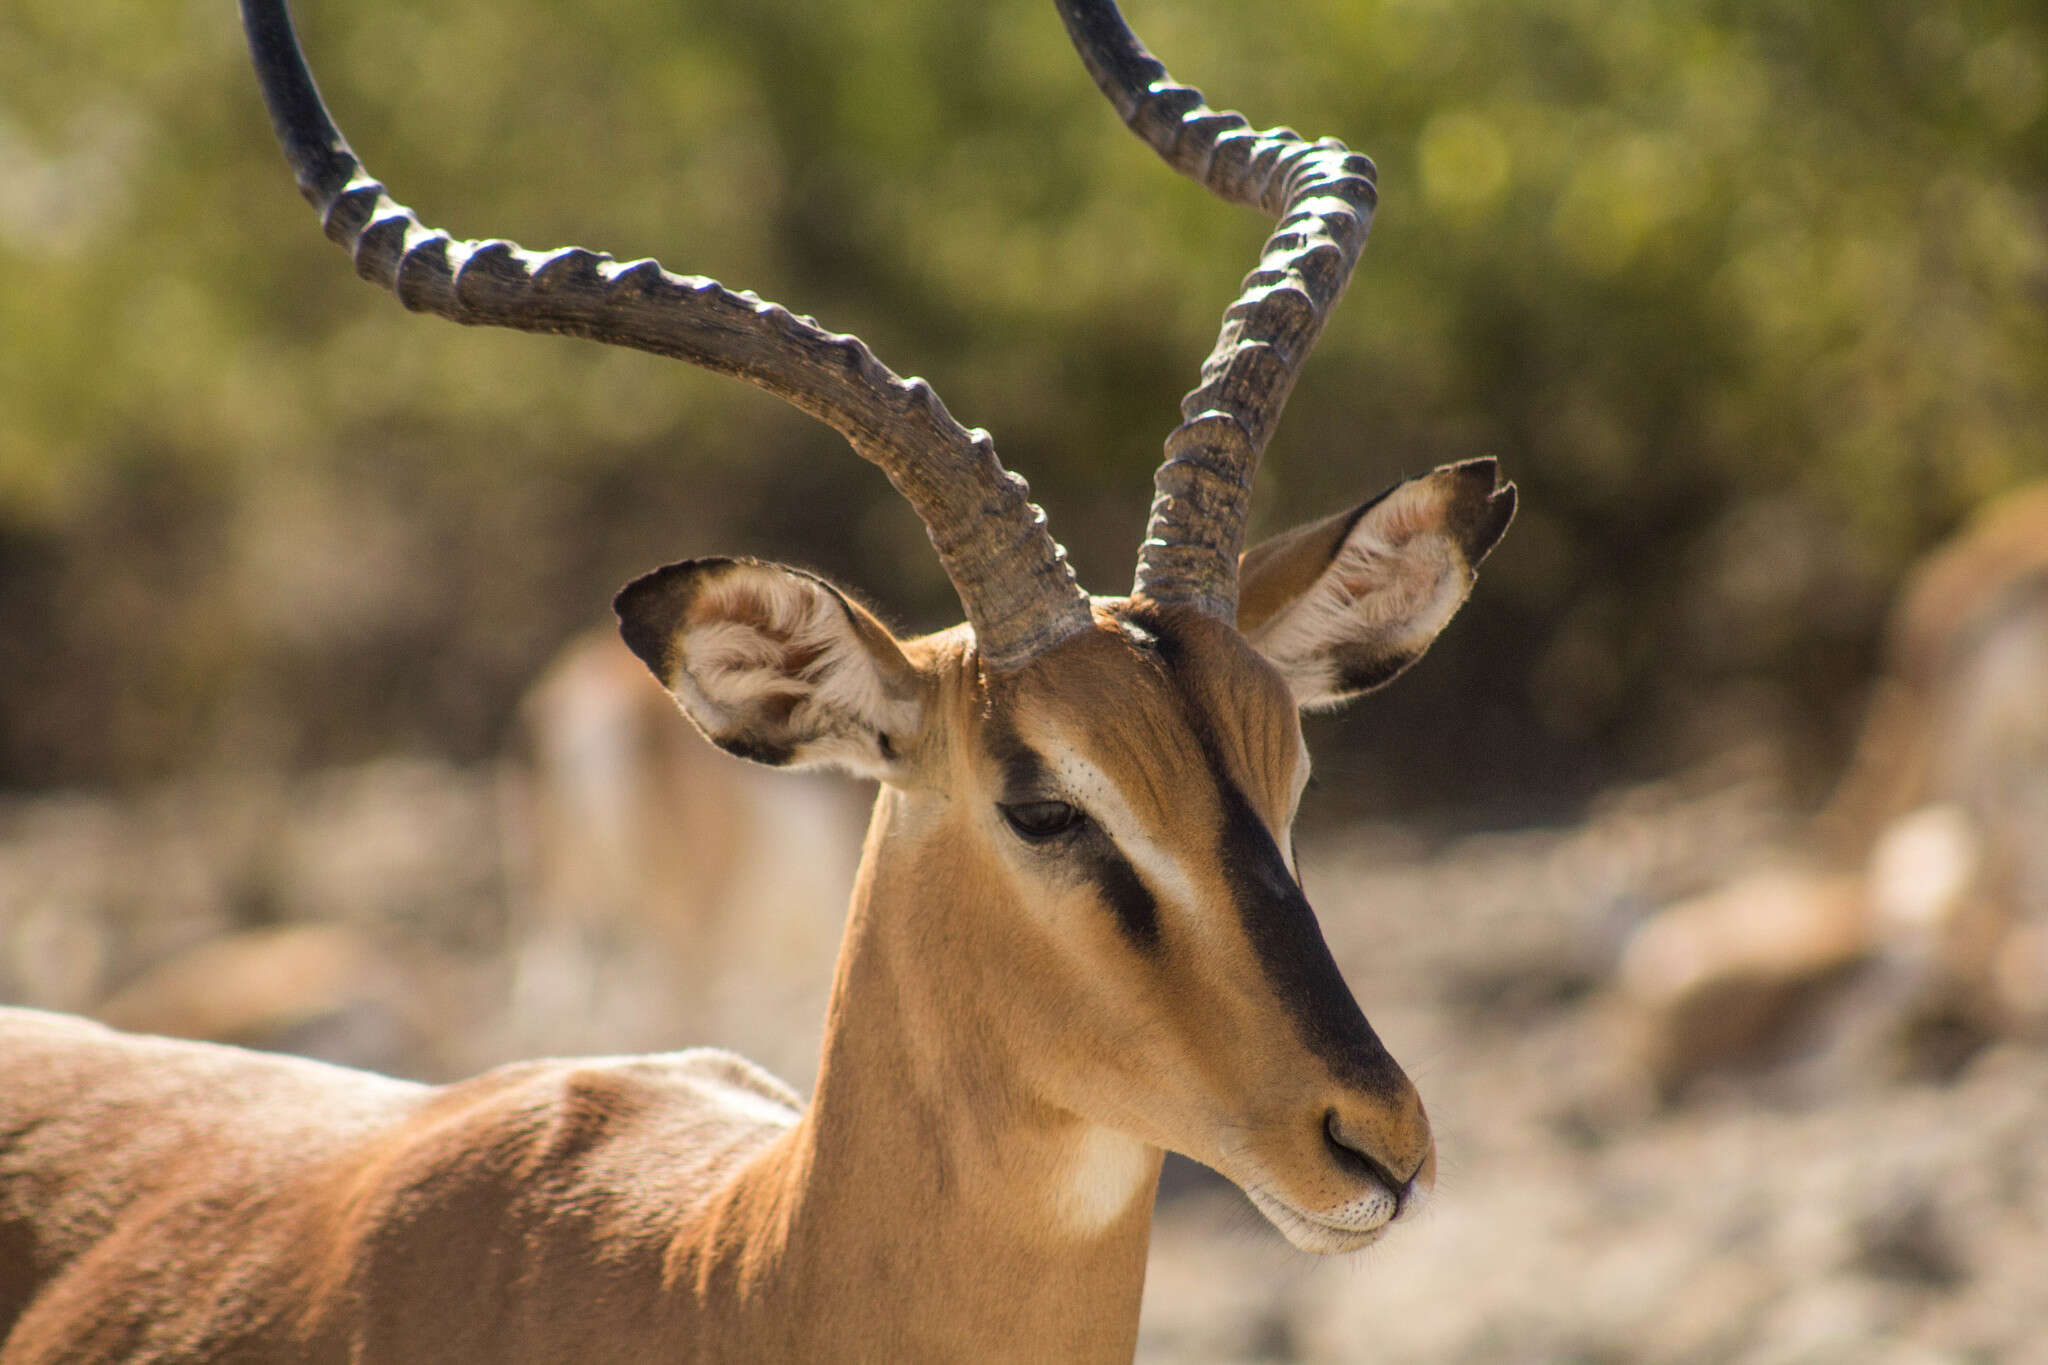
x=1012, y=578
x=1324, y=195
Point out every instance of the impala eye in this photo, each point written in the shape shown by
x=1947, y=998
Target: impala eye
x=1037, y=821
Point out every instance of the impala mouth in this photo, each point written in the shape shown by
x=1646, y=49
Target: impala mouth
x=1352, y=1228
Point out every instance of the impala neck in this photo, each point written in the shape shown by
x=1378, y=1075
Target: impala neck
x=928, y=1200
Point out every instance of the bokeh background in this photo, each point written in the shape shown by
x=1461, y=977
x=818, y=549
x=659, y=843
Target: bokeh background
x=1698, y=870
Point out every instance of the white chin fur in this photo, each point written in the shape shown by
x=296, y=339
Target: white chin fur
x=1327, y=1237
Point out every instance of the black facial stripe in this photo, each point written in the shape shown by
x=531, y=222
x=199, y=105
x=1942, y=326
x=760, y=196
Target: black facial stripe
x=1278, y=921
x=1289, y=944
x=1137, y=913
x=1024, y=772
x=1025, y=778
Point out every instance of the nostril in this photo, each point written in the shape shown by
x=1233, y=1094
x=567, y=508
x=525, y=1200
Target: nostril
x=1360, y=1162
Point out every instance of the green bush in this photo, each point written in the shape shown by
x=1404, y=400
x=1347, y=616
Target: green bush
x=1749, y=299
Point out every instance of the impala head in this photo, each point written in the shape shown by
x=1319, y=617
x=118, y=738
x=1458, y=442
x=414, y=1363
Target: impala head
x=1090, y=797
x=1104, y=827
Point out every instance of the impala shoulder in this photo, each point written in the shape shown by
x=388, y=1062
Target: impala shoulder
x=704, y=1098
x=727, y=1079
x=571, y=1119
x=663, y=1086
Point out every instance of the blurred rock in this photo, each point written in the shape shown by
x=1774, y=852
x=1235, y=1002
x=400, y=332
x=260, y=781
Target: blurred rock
x=352, y=915
x=331, y=991
x=1930, y=861
x=396, y=842
x=1714, y=981
x=1948, y=797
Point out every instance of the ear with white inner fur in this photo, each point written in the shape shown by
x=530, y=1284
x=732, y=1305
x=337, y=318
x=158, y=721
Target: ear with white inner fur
x=775, y=665
x=1342, y=605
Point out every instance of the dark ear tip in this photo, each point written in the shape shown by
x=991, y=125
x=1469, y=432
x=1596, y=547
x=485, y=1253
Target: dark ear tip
x=1481, y=473
x=1480, y=508
x=651, y=610
x=1492, y=524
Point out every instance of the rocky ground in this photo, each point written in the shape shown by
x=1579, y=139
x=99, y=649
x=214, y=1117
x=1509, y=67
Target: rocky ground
x=1843, y=1200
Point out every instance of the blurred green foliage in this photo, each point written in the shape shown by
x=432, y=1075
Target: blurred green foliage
x=1751, y=299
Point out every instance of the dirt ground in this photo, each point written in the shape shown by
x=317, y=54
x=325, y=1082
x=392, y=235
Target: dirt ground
x=1826, y=1207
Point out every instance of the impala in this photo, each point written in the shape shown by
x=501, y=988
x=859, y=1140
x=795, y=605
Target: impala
x=1076, y=937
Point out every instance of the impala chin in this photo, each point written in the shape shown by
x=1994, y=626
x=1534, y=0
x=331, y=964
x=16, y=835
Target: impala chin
x=1351, y=1226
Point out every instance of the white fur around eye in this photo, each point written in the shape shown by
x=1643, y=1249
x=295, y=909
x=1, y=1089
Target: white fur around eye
x=1098, y=793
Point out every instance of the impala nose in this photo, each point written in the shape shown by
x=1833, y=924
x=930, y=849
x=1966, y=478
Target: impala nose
x=1396, y=1153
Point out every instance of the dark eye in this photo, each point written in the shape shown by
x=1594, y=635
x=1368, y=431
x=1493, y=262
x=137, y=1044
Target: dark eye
x=1038, y=821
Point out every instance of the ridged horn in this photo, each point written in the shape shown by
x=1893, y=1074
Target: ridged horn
x=1012, y=578
x=1323, y=195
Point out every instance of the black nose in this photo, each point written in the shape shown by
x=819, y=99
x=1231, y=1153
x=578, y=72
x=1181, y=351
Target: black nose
x=1363, y=1163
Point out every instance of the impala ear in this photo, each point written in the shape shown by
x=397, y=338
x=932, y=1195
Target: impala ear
x=1343, y=604
x=776, y=665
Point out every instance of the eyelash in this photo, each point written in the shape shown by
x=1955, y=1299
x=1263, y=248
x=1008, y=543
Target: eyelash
x=1038, y=822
